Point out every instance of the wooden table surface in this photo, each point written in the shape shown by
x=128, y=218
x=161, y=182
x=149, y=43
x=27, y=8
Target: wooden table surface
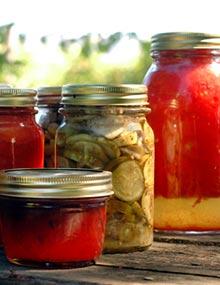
x=171, y=260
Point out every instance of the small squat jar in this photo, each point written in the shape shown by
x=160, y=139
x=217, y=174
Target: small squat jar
x=105, y=127
x=56, y=219
x=48, y=103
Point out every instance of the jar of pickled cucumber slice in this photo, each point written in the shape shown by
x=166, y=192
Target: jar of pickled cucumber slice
x=48, y=103
x=105, y=128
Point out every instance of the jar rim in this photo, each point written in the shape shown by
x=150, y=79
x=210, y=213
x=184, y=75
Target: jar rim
x=104, y=94
x=17, y=97
x=55, y=183
x=184, y=40
x=49, y=95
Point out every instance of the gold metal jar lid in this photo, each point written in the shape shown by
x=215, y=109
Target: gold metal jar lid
x=49, y=95
x=104, y=94
x=14, y=97
x=184, y=40
x=60, y=183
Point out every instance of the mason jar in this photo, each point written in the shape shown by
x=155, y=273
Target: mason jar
x=184, y=93
x=105, y=127
x=48, y=103
x=57, y=218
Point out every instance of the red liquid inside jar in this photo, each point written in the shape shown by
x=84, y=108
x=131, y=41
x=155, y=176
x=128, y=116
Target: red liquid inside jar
x=53, y=234
x=22, y=140
x=184, y=94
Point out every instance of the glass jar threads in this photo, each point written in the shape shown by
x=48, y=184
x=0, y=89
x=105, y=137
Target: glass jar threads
x=105, y=127
x=49, y=119
x=57, y=218
x=184, y=92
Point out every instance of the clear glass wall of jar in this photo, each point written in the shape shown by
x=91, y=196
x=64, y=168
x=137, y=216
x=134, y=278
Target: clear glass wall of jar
x=22, y=140
x=184, y=93
x=48, y=118
x=105, y=127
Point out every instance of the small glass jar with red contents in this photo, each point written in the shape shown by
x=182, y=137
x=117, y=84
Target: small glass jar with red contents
x=184, y=93
x=48, y=103
x=57, y=217
x=22, y=140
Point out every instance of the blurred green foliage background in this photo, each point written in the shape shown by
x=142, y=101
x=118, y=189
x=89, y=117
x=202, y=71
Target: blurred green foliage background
x=88, y=59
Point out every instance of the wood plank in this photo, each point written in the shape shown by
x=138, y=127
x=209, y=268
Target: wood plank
x=170, y=257
x=170, y=261
x=100, y=275
x=202, y=239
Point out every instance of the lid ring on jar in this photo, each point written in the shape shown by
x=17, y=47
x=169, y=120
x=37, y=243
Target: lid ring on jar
x=61, y=183
x=104, y=94
x=48, y=95
x=184, y=40
x=14, y=97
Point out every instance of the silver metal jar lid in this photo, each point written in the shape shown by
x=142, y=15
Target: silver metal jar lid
x=104, y=94
x=184, y=40
x=14, y=97
x=49, y=95
x=55, y=183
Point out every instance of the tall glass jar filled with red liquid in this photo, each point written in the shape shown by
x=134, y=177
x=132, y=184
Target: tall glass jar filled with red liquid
x=184, y=93
x=22, y=140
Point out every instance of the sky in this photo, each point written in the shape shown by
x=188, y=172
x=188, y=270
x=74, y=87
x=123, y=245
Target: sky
x=74, y=18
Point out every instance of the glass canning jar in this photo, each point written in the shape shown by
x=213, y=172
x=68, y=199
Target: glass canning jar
x=22, y=140
x=48, y=103
x=184, y=92
x=105, y=127
x=56, y=219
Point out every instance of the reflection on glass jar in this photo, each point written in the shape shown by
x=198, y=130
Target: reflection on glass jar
x=184, y=92
x=57, y=218
x=105, y=127
x=49, y=119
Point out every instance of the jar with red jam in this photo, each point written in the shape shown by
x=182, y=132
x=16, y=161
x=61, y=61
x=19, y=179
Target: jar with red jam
x=22, y=140
x=54, y=218
x=105, y=127
x=48, y=117
x=184, y=93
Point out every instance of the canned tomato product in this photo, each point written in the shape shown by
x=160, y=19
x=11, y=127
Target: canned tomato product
x=184, y=92
x=105, y=127
x=54, y=217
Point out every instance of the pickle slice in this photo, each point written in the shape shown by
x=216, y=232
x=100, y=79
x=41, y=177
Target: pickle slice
x=147, y=205
x=111, y=165
x=149, y=170
x=110, y=148
x=62, y=135
x=115, y=205
x=134, y=151
x=79, y=137
x=148, y=136
x=128, y=181
x=126, y=138
x=88, y=153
